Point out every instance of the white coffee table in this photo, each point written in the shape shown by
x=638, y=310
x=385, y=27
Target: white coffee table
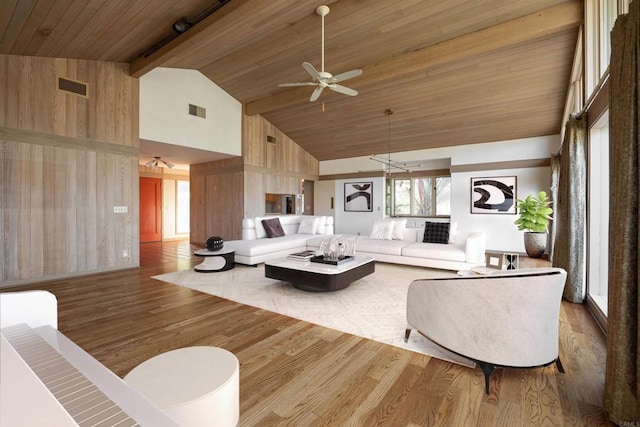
x=196, y=386
x=316, y=277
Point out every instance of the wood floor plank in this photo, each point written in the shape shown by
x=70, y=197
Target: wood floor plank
x=294, y=373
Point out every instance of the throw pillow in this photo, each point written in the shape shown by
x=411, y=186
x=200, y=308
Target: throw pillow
x=452, y=232
x=382, y=229
x=308, y=225
x=322, y=222
x=260, y=232
x=400, y=226
x=272, y=227
x=436, y=232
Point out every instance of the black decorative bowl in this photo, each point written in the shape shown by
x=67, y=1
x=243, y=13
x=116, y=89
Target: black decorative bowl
x=214, y=243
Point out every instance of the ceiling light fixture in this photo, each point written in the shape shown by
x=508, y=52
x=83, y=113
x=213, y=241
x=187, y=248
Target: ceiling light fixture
x=158, y=162
x=181, y=25
x=390, y=164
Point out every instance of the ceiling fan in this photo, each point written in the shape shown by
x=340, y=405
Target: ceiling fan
x=324, y=79
x=157, y=161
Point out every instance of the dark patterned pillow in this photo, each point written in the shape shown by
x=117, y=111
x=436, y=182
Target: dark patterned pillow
x=273, y=227
x=436, y=232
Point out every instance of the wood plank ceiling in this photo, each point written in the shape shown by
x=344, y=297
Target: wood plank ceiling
x=455, y=72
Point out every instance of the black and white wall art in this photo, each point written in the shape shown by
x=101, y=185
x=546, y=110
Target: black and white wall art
x=358, y=197
x=496, y=195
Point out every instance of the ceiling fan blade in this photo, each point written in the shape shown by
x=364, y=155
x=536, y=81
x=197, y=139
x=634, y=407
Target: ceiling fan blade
x=150, y=163
x=311, y=70
x=169, y=165
x=316, y=93
x=343, y=89
x=346, y=75
x=297, y=84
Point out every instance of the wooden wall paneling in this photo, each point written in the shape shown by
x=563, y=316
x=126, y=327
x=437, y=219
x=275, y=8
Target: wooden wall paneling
x=36, y=215
x=224, y=202
x=48, y=208
x=4, y=193
x=91, y=209
x=71, y=209
x=254, y=194
x=22, y=207
x=10, y=213
x=134, y=212
x=33, y=102
x=217, y=201
x=197, y=207
x=58, y=192
x=242, y=182
x=58, y=229
x=80, y=176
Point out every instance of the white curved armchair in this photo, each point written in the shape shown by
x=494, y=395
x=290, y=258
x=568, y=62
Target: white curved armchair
x=507, y=319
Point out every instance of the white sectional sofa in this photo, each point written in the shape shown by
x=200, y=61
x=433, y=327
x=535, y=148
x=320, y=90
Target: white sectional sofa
x=464, y=250
x=255, y=247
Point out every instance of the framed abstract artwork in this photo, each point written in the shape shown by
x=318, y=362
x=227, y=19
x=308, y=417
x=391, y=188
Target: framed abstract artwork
x=496, y=195
x=358, y=196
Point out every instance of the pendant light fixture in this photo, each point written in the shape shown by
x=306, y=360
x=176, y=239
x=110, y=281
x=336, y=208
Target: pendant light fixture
x=390, y=164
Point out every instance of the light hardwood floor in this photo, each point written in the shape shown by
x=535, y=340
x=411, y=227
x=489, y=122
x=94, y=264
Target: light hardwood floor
x=299, y=374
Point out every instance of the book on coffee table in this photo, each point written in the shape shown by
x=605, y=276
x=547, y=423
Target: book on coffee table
x=302, y=256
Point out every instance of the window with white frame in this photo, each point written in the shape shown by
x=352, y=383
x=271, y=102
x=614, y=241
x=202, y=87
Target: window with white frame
x=600, y=16
x=424, y=196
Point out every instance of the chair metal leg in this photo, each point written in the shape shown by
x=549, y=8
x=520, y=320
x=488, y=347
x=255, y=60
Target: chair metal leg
x=487, y=369
x=559, y=365
x=407, y=332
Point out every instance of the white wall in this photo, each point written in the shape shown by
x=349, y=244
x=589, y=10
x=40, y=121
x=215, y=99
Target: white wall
x=358, y=222
x=499, y=229
x=501, y=233
x=165, y=95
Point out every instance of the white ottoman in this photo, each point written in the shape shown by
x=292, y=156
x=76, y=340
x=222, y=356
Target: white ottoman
x=196, y=386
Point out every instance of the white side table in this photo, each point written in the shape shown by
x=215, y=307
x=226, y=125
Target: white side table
x=221, y=260
x=196, y=386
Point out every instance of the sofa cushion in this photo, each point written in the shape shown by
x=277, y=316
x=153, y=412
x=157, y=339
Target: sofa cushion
x=453, y=229
x=446, y=252
x=260, y=231
x=388, y=247
x=322, y=222
x=266, y=246
x=272, y=227
x=308, y=225
x=436, y=232
x=382, y=229
x=399, y=227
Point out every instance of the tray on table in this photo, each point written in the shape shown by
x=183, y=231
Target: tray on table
x=322, y=260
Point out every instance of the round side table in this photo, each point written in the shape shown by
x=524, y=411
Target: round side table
x=214, y=261
x=196, y=386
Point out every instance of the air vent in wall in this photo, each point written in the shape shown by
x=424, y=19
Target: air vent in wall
x=194, y=110
x=72, y=86
x=271, y=139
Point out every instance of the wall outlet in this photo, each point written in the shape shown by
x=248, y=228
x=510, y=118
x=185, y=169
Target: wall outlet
x=125, y=253
x=120, y=209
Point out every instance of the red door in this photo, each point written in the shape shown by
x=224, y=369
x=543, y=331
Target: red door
x=150, y=210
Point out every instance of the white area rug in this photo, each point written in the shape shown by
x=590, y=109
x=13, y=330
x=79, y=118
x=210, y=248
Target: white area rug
x=373, y=307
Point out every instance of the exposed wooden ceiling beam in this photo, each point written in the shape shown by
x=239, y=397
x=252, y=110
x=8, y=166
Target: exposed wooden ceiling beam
x=530, y=27
x=187, y=41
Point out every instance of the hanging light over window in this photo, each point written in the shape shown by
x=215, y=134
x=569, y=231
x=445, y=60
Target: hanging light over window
x=390, y=164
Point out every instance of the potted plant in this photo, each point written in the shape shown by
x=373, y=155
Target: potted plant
x=534, y=215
